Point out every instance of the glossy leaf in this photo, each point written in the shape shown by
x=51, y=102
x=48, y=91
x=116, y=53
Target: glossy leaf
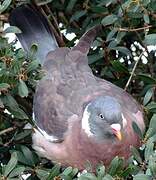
x=11, y=164
x=136, y=155
x=152, y=128
x=150, y=39
x=149, y=150
x=78, y=15
x=87, y=176
x=137, y=130
x=4, y=86
x=71, y=5
x=55, y=171
x=123, y=50
x=115, y=165
x=141, y=177
x=43, y=2
x=148, y=96
x=110, y=19
x=22, y=89
x=17, y=171
x=5, y=4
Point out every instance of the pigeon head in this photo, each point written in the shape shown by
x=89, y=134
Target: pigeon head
x=103, y=118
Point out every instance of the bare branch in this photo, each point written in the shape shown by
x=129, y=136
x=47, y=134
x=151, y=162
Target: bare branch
x=132, y=73
x=135, y=29
x=7, y=130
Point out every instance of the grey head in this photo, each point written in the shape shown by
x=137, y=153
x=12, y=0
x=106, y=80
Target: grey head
x=103, y=118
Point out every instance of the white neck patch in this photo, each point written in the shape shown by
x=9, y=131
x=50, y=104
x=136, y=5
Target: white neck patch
x=124, y=121
x=85, y=122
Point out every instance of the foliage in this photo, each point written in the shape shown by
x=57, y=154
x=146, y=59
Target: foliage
x=126, y=40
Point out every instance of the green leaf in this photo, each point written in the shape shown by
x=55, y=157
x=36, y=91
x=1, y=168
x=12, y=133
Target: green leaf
x=11, y=164
x=4, y=5
x=137, y=130
x=67, y=171
x=148, y=96
x=107, y=177
x=28, y=155
x=12, y=29
x=115, y=165
x=99, y=9
x=152, y=165
x=136, y=154
x=17, y=171
x=71, y=5
x=146, y=78
x=141, y=177
x=1, y=104
x=55, y=171
x=87, y=176
x=18, y=113
x=146, y=18
x=94, y=57
x=108, y=20
x=120, y=36
x=4, y=86
x=111, y=34
x=77, y=15
x=22, y=89
x=107, y=2
x=152, y=127
x=148, y=150
x=123, y=50
x=100, y=171
x=119, y=67
x=74, y=172
x=22, y=135
x=43, y=2
x=32, y=66
x=151, y=106
x=33, y=50
x=150, y=39
x=13, y=108
x=9, y=101
x=127, y=172
x=42, y=173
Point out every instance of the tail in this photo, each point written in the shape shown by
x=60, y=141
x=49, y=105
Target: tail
x=87, y=39
x=35, y=29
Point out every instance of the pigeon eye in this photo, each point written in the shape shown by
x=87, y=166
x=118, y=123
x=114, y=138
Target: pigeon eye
x=101, y=116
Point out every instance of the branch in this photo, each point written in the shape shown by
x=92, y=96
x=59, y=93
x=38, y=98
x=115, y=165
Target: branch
x=135, y=29
x=57, y=36
x=4, y=17
x=7, y=130
x=132, y=73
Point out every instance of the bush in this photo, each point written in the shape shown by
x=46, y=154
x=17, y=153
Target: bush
x=115, y=53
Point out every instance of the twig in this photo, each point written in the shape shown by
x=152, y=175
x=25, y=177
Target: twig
x=7, y=130
x=4, y=17
x=132, y=73
x=58, y=38
x=135, y=29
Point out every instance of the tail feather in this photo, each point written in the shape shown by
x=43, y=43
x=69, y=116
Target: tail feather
x=35, y=29
x=87, y=39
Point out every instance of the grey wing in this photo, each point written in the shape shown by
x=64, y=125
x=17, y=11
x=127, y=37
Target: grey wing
x=50, y=110
x=47, y=107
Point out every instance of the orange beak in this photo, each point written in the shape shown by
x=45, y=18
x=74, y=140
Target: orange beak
x=118, y=135
x=116, y=131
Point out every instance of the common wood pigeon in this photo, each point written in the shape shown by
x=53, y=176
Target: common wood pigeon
x=80, y=117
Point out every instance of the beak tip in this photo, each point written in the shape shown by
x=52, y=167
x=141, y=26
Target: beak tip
x=119, y=135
